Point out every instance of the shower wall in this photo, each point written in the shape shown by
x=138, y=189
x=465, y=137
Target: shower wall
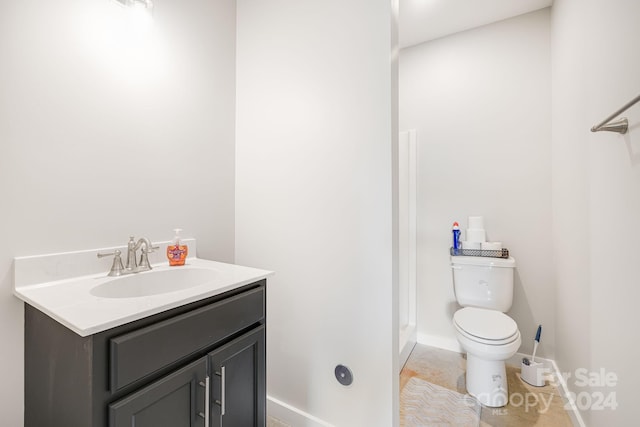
x=407, y=234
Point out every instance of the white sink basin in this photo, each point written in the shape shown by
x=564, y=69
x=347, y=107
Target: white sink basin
x=154, y=282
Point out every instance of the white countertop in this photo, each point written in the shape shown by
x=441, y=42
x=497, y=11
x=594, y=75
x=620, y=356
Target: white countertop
x=70, y=301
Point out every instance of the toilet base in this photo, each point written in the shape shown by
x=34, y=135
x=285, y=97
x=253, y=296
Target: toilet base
x=487, y=381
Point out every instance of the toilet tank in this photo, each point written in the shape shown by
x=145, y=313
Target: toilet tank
x=483, y=281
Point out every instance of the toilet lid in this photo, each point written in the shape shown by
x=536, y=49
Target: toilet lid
x=485, y=324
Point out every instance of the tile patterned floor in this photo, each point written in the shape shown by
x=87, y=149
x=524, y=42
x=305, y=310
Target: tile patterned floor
x=528, y=405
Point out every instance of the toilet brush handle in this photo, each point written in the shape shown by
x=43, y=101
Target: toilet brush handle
x=536, y=341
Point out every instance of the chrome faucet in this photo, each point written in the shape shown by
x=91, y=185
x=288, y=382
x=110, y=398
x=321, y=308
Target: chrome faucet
x=133, y=265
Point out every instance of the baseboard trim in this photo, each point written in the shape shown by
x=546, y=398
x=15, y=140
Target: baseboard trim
x=574, y=413
x=408, y=338
x=554, y=375
x=292, y=415
x=445, y=343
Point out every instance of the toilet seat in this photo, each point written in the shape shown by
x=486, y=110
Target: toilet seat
x=489, y=327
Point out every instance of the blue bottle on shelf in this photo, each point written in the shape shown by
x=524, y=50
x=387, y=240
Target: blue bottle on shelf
x=456, y=239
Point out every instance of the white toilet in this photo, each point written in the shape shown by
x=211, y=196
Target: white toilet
x=484, y=288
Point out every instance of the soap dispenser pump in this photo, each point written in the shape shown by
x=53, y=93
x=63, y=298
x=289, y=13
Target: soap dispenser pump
x=176, y=251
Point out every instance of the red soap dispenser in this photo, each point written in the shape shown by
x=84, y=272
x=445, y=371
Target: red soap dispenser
x=176, y=251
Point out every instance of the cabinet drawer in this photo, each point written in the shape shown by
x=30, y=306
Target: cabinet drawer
x=139, y=353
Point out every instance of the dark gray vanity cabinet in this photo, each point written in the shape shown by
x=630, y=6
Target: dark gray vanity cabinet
x=204, y=361
x=238, y=382
x=176, y=400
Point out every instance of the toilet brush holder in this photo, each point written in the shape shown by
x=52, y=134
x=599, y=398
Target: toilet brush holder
x=533, y=373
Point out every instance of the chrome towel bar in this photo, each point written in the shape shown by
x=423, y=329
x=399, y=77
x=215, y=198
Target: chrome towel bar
x=621, y=125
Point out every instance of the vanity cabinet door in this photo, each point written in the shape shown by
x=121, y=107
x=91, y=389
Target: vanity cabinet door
x=176, y=400
x=238, y=380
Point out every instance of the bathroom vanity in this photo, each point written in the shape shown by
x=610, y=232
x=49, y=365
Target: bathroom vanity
x=200, y=362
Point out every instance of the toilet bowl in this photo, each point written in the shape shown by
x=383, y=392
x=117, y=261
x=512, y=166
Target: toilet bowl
x=484, y=288
x=489, y=338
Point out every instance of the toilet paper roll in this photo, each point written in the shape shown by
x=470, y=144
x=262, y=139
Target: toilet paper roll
x=476, y=235
x=491, y=246
x=471, y=245
x=476, y=222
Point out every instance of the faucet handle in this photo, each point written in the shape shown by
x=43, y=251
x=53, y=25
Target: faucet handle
x=144, y=265
x=115, y=253
x=116, y=268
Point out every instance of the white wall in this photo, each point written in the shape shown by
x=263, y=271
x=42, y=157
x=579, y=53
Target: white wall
x=480, y=101
x=314, y=199
x=596, y=183
x=106, y=133
x=571, y=215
